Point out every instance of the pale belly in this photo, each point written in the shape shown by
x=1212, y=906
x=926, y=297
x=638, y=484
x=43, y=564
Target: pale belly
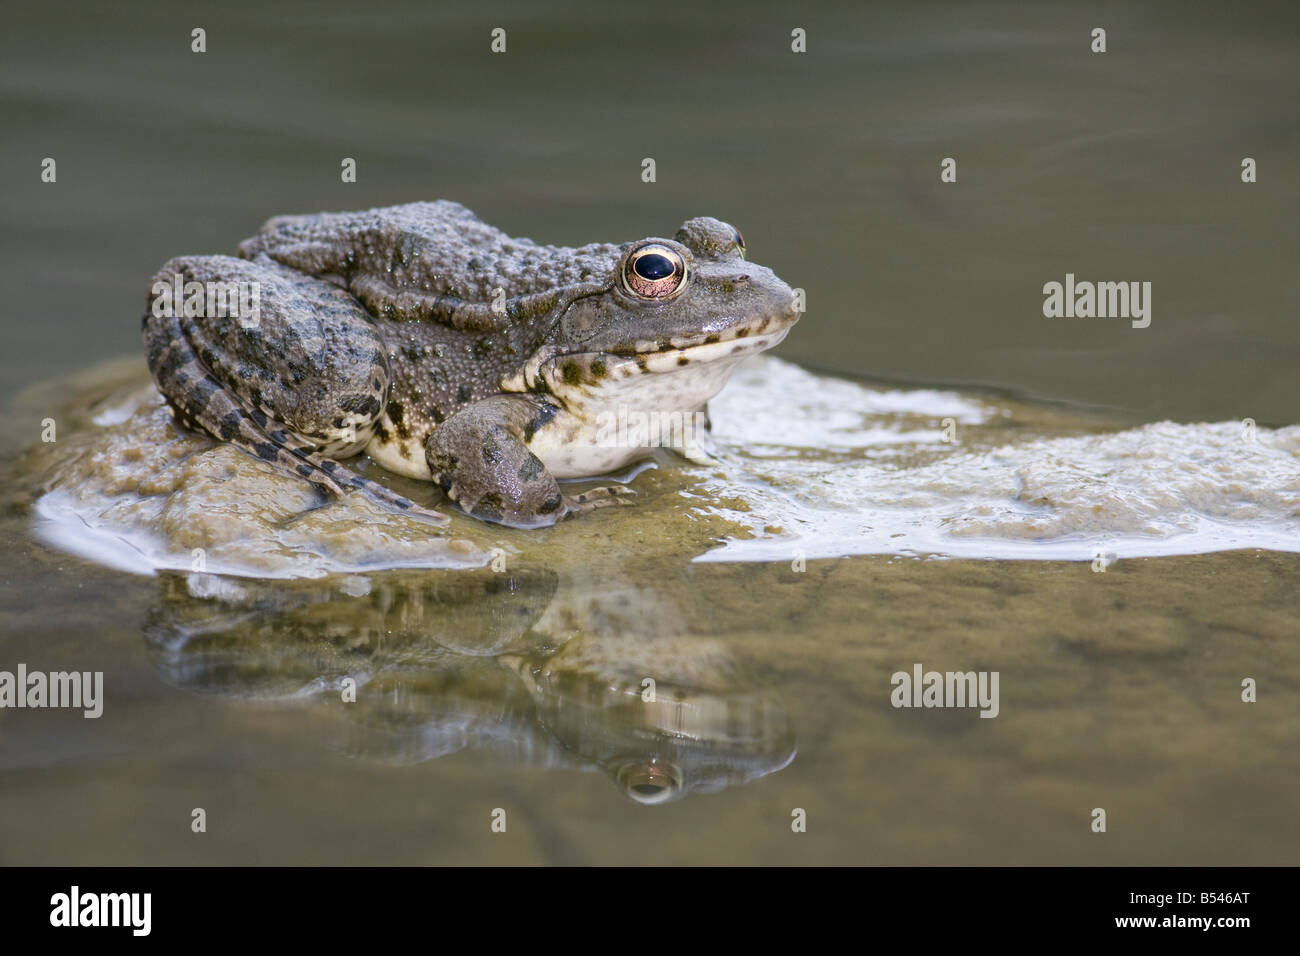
x=581, y=451
x=605, y=428
x=628, y=416
x=567, y=448
x=402, y=456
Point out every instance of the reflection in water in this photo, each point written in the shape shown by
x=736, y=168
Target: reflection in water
x=534, y=669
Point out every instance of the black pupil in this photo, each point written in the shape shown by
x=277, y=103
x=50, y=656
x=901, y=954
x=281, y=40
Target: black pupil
x=653, y=266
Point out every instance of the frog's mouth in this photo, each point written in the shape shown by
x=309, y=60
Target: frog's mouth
x=673, y=353
x=589, y=367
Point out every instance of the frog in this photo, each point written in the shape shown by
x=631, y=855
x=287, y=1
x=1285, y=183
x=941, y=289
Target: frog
x=449, y=352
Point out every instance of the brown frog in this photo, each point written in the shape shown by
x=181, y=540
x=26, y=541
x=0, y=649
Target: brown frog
x=450, y=352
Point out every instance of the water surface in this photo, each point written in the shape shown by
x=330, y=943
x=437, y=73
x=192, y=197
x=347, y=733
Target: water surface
x=519, y=689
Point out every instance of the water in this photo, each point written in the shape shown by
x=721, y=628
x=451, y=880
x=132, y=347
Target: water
x=520, y=690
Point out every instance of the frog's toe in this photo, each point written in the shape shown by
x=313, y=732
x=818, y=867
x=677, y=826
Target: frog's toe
x=594, y=498
x=399, y=503
x=700, y=456
x=428, y=514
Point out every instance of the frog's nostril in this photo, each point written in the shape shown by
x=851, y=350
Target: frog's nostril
x=649, y=781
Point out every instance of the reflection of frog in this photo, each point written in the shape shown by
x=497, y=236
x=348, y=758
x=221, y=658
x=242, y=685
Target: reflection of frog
x=518, y=664
x=454, y=353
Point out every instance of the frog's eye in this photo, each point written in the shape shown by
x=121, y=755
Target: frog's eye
x=740, y=243
x=654, y=271
x=649, y=781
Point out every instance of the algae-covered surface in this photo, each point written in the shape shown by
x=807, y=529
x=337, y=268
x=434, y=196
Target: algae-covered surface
x=322, y=708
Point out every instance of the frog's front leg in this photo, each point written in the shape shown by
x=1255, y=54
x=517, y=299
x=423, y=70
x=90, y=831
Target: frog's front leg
x=480, y=458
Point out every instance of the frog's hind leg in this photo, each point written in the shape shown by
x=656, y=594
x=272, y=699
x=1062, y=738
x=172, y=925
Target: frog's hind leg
x=345, y=477
x=201, y=401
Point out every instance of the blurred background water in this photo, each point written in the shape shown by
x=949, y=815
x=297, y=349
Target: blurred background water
x=1117, y=166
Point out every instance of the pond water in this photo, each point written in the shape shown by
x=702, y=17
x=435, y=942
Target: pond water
x=930, y=472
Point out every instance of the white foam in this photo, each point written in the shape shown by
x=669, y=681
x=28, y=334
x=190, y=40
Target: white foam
x=891, y=486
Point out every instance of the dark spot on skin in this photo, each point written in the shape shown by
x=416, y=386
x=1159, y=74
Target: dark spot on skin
x=266, y=451
x=329, y=466
x=598, y=368
x=445, y=483
x=741, y=333
x=397, y=415
x=712, y=339
x=683, y=360
x=737, y=348
x=491, y=452
x=543, y=417
x=206, y=387
x=641, y=363
x=304, y=469
x=551, y=504
x=572, y=374
x=464, y=393
x=230, y=426
x=531, y=469
x=170, y=362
